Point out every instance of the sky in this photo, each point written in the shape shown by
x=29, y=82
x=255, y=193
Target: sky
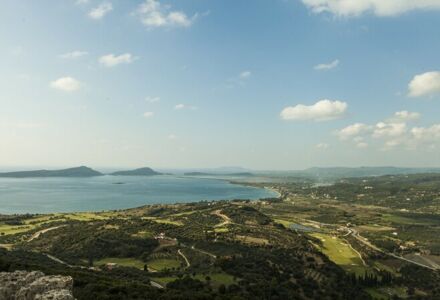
x=262, y=84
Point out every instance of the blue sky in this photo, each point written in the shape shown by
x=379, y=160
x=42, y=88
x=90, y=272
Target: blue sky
x=281, y=84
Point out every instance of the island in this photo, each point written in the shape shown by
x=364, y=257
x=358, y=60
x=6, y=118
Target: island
x=70, y=172
x=137, y=172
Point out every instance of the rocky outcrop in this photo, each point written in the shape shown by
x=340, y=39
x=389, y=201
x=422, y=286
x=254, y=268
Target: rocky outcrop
x=23, y=285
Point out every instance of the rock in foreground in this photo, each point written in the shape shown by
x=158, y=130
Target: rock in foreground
x=23, y=285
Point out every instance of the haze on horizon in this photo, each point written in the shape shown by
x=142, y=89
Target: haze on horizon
x=284, y=84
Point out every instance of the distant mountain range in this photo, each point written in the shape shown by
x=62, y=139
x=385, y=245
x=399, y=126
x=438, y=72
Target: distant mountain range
x=345, y=172
x=137, y=172
x=71, y=172
x=313, y=173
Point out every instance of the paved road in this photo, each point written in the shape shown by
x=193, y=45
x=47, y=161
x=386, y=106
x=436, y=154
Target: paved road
x=364, y=241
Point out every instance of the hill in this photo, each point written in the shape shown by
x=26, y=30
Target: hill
x=217, y=250
x=334, y=173
x=137, y=172
x=71, y=172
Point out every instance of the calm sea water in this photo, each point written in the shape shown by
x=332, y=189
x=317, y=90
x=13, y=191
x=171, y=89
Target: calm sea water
x=47, y=195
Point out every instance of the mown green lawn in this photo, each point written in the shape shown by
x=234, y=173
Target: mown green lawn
x=13, y=229
x=163, y=263
x=340, y=253
x=126, y=262
x=217, y=278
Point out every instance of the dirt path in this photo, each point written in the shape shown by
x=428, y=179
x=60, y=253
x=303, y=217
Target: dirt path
x=156, y=285
x=184, y=257
x=6, y=246
x=203, y=252
x=226, y=219
x=60, y=261
x=37, y=234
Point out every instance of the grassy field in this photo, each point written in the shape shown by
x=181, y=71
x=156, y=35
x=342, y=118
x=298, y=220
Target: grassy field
x=144, y=234
x=385, y=293
x=88, y=216
x=216, y=279
x=163, y=280
x=164, y=221
x=221, y=229
x=13, y=229
x=340, y=253
x=33, y=223
x=126, y=262
x=284, y=222
x=162, y=264
x=252, y=240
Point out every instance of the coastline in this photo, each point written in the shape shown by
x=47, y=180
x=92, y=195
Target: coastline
x=274, y=190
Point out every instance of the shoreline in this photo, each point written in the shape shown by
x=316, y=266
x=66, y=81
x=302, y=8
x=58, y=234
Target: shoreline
x=274, y=190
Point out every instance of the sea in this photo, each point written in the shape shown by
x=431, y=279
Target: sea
x=51, y=195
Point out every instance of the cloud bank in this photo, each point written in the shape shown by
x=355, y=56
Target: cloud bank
x=155, y=15
x=382, y=8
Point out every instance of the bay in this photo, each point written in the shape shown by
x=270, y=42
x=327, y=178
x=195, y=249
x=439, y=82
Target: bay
x=50, y=195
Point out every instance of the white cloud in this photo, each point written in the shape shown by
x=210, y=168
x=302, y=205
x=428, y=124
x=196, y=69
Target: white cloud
x=383, y=8
x=404, y=116
x=148, y=114
x=67, y=84
x=426, y=134
x=245, y=74
x=387, y=130
x=73, y=54
x=101, y=10
x=353, y=131
x=393, y=133
x=182, y=106
x=426, y=84
x=329, y=66
x=322, y=146
x=172, y=137
x=154, y=15
x=323, y=110
x=179, y=106
x=152, y=99
x=111, y=60
x=80, y=2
